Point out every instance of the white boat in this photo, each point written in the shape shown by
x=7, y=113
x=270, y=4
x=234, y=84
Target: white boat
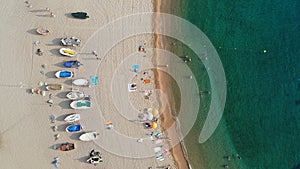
x=74, y=95
x=89, y=136
x=70, y=41
x=81, y=104
x=81, y=82
x=54, y=87
x=64, y=74
x=67, y=52
x=42, y=31
x=72, y=118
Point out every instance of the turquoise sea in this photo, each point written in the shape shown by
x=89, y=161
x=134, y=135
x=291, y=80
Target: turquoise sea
x=259, y=44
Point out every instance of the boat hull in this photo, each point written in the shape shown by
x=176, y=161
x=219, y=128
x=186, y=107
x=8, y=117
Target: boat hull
x=67, y=52
x=64, y=74
x=81, y=82
x=72, y=118
x=54, y=87
x=90, y=136
x=74, y=128
x=72, y=64
x=70, y=41
x=75, y=95
x=81, y=104
x=67, y=146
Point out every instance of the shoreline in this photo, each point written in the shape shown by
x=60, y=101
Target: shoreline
x=162, y=80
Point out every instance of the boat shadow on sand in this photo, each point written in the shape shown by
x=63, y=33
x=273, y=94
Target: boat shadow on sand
x=56, y=52
x=55, y=42
x=62, y=117
x=83, y=159
x=75, y=136
x=69, y=15
x=62, y=127
x=60, y=64
x=68, y=82
x=50, y=74
x=65, y=104
x=32, y=31
x=62, y=95
x=55, y=146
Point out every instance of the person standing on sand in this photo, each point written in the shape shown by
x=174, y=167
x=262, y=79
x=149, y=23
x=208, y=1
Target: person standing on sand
x=95, y=54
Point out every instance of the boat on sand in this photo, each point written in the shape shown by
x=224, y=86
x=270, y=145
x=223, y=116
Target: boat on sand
x=81, y=104
x=72, y=41
x=80, y=15
x=54, y=87
x=42, y=31
x=89, y=136
x=67, y=52
x=72, y=118
x=74, y=128
x=64, y=74
x=81, y=82
x=72, y=64
x=67, y=146
x=74, y=95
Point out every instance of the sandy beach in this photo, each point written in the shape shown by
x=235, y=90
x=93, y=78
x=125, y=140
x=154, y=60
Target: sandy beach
x=26, y=133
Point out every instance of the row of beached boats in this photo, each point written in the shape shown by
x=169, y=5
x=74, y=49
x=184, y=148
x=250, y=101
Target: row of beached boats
x=80, y=101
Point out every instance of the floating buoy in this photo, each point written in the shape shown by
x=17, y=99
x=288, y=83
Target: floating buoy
x=265, y=51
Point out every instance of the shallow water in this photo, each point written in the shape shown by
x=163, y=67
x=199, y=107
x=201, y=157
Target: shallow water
x=258, y=43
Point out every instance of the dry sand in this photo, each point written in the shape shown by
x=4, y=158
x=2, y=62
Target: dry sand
x=27, y=138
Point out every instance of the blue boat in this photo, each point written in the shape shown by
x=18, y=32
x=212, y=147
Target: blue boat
x=72, y=64
x=64, y=74
x=74, y=128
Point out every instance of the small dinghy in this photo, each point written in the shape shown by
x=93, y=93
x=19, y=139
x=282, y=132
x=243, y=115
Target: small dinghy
x=81, y=82
x=81, y=104
x=67, y=146
x=42, y=31
x=72, y=118
x=94, y=157
x=64, y=74
x=67, y=52
x=80, y=15
x=74, y=128
x=72, y=64
x=70, y=41
x=89, y=136
x=54, y=87
x=74, y=95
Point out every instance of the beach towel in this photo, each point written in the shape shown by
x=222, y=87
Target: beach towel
x=147, y=81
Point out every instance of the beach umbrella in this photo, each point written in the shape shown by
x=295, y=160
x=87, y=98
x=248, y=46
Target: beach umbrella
x=146, y=110
x=149, y=116
x=155, y=112
x=154, y=125
x=141, y=115
x=136, y=67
